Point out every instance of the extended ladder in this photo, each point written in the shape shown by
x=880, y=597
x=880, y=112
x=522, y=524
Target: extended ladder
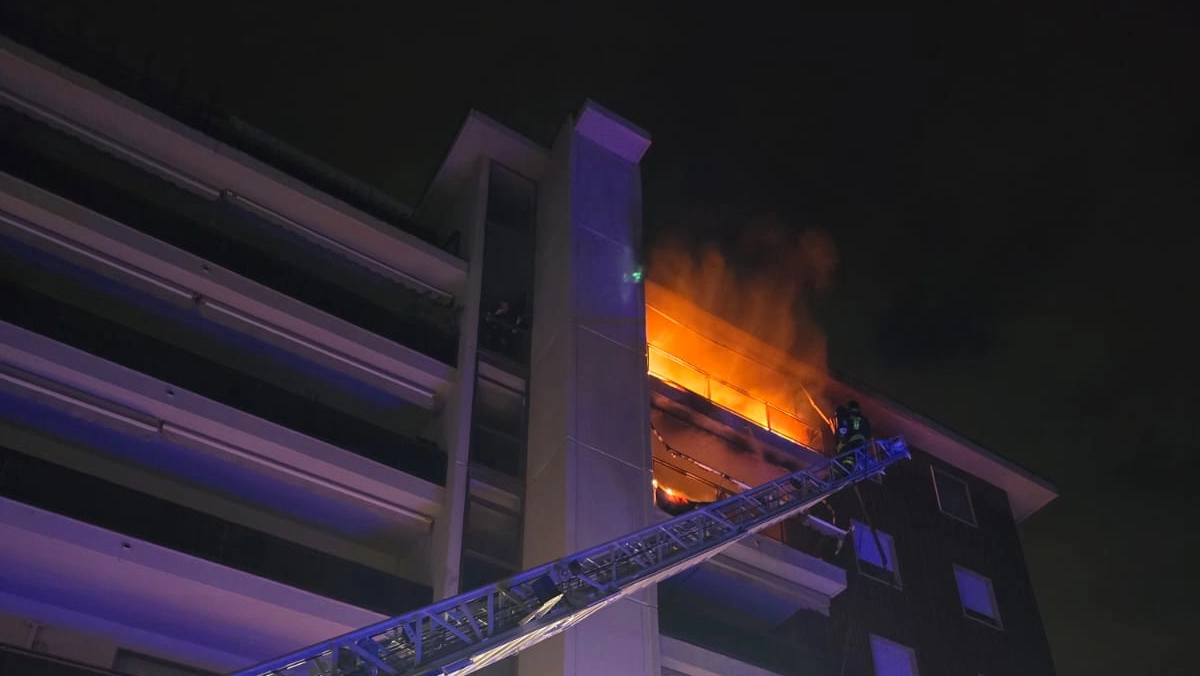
x=465, y=633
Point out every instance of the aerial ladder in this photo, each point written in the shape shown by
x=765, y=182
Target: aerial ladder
x=468, y=632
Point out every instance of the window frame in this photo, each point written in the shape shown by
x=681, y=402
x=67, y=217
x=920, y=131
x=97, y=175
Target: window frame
x=896, y=581
x=996, y=622
x=518, y=517
x=934, y=471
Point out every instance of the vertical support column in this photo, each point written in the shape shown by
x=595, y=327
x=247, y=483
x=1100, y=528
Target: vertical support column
x=589, y=469
x=446, y=558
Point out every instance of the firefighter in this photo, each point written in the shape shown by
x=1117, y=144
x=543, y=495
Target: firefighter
x=853, y=431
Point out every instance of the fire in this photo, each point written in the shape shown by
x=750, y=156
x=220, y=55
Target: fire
x=683, y=352
x=764, y=356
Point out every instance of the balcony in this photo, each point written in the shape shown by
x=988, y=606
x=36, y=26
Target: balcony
x=133, y=418
x=741, y=653
x=681, y=374
x=31, y=481
x=133, y=76
x=701, y=453
x=154, y=338
x=154, y=599
x=724, y=630
x=225, y=234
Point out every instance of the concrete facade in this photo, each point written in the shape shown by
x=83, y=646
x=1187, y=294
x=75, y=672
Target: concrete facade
x=589, y=456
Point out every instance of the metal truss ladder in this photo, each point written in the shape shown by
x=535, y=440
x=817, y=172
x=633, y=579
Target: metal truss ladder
x=465, y=633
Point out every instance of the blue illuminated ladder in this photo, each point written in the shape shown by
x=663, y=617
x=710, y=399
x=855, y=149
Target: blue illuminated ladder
x=470, y=631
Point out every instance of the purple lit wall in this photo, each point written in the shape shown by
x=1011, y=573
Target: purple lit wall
x=589, y=456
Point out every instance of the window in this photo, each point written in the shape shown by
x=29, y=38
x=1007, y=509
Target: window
x=511, y=199
x=499, y=407
x=498, y=434
x=492, y=531
x=893, y=659
x=978, y=597
x=876, y=553
x=954, y=499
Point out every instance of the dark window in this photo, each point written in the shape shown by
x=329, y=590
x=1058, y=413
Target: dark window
x=497, y=451
x=511, y=199
x=508, y=266
x=493, y=532
x=954, y=498
x=498, y=431
x=478, y=571
x=498, y=407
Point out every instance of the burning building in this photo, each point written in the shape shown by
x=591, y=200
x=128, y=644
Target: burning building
x=729, y=411
x=249, y=404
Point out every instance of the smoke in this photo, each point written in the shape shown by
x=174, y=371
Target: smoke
x=766, y=280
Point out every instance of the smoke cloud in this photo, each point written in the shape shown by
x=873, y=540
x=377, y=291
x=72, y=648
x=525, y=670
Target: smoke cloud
x=766, y=281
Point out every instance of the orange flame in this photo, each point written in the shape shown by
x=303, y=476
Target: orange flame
x=764, y=352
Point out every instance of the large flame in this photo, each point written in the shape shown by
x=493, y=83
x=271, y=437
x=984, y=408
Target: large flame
x=764, y=355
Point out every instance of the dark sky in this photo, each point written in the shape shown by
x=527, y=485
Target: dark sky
x=1013, y=196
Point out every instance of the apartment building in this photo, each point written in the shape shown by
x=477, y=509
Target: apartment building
x=248, y=403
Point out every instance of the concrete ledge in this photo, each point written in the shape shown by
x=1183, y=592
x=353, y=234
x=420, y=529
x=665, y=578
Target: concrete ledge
x=50, y=222
x=179, y=413
x=611, y=131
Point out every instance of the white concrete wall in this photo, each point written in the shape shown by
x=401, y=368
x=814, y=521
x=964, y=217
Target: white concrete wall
x=589, y=463
x=470, y=211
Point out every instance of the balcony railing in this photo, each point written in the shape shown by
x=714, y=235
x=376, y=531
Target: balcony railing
x=672, y=369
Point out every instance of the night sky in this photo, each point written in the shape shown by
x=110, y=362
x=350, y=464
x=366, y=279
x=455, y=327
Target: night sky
x=1013, y=198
